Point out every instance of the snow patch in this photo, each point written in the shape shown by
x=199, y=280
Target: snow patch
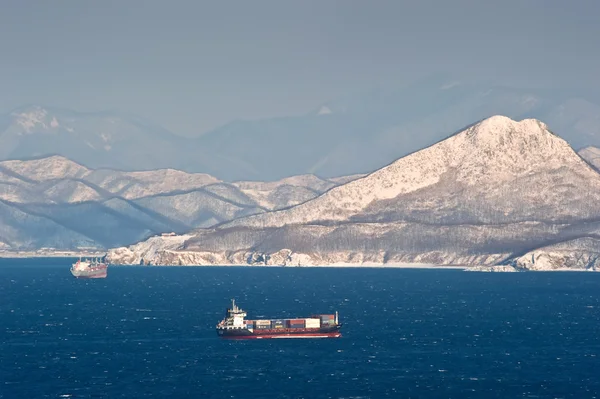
x=31, y=119
x=324, y=110
x=449, y=85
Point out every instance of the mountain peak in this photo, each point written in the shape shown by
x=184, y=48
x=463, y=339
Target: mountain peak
x=501, y=123
x=500, y=133
x=324, y=110
x=33, y=117
x=499, y=147
x=46, y=168
x=487, y=154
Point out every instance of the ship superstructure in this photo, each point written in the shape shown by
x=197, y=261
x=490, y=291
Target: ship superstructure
x=89, y=269
x=235, y=326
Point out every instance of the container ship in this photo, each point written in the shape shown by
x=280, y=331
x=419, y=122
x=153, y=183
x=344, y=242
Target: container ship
x=234, y=326
x=89, y=269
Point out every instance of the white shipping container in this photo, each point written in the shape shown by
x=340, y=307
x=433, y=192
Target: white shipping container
x=263, y=322
x=313, y=323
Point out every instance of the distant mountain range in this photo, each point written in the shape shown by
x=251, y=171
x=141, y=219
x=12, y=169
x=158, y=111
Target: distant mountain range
x=344, y=137
x=57, y=203
x=499, y=192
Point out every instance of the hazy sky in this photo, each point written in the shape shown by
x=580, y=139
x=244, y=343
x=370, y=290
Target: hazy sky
x=193, y=65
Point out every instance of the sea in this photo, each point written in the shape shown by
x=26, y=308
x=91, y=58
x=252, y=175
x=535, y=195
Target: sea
x=149, y=332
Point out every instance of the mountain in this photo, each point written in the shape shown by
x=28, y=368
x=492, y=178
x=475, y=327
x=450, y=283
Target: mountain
x=360, y=133
x=347, y=136
x=491, y=194
x=54, y=202
x=98, y=140
x=591, y=155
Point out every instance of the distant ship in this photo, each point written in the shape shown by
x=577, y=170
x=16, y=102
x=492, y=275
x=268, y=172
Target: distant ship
x=89, y=269
x=233, y=326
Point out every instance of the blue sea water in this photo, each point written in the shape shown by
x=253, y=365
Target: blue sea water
x=148, y=332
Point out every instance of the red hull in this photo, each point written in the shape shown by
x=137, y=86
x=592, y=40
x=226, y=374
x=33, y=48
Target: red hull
x=94, y=276
x=97, y=270
x=270, y=336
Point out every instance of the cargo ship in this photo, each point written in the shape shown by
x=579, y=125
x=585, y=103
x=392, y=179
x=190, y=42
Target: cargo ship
x=89, y=269
x=234, y=326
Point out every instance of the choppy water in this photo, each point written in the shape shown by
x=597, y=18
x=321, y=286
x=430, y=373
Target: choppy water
x=149, y=332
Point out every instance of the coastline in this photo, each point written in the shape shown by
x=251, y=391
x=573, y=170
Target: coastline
x=366, y=265
x=337, y=265
x=57, y=254
x=467, y=268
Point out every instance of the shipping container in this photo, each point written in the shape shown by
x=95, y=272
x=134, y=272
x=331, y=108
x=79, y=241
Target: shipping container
x=262, y=327
x=262, y=322
x=313, y=323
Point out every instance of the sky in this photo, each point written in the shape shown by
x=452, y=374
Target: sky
x=192, y=66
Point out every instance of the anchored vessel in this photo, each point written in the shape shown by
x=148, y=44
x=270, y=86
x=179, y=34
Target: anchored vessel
x=234, y=326
x=89, y=269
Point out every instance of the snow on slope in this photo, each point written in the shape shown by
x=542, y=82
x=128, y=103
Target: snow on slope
x=55, y=167
x=132, y=185
x=592, y=155
x=492, y=151
x=66, y=190
x=99, y=139
x=16, y=193
x=285, y=192
x=161, y=200
x=196, y=208
x=34, y=118
x=141, y=184
x=578, y=254
x=148, y=249
x=542, y=190
x=309, y=181
x=346, y=179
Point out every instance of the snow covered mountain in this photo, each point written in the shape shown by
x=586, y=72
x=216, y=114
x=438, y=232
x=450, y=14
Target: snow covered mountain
x=352, y=135
x=55, y=202
x=491, y=194
x=360, y=133
x=98, y=140
x=591, y=155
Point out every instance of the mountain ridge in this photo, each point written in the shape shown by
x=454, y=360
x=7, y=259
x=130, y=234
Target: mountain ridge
x=484, y=194
x=356, y=135
x=138, y=204
x=405, y=182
